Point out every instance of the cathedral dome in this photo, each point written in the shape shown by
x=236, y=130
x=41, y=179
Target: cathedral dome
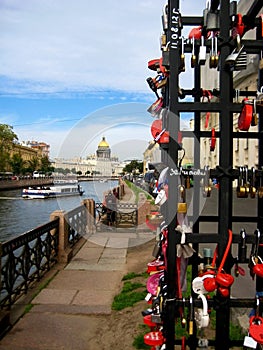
x=103, y=143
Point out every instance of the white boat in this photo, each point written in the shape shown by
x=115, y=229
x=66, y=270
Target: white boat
x=43, y=192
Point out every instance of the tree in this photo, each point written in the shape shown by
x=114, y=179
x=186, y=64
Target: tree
x=33, y=165
x=45, y=165
x=17, y=164
x=133, y=166
x=7, y=139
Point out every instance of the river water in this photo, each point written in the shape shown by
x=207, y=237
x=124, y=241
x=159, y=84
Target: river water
x=18, y=215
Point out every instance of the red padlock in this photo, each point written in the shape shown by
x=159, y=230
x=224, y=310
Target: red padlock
x=159, y=134
x=195, y=33
x=245, y=117
x=239, y=26
x=213, y=140
x=210, y=284
x=256, y=328
x=224, y=279
x=258, y=270
x=224, y=292
x=154, y=338
x=154, y=64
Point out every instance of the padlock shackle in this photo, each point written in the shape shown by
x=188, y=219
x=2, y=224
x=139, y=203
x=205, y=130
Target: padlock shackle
x=230, y=236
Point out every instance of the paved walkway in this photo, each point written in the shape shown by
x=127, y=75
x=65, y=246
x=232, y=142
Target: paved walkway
x=86, y=286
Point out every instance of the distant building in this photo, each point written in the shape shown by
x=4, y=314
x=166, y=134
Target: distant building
x=42, y=148
x=101, y=164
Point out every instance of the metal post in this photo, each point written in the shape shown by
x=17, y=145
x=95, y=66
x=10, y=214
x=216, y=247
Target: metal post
x=226, y=162
x=174, y=33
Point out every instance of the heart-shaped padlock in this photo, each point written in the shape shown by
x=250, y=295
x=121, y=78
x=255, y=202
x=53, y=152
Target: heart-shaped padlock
x=224, y=279
x=256, y=328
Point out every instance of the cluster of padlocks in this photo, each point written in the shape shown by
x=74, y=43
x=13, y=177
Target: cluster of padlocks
x=170, y=301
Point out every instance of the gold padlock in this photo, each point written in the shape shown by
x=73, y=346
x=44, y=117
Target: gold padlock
x=182, y=58
x=193, y=56
x=260, y=187
x=212, y=55
x=207, y=191
x=241, y=189
x=206, y=185
x=254, y=120
x=181, y=205
x=253, y=189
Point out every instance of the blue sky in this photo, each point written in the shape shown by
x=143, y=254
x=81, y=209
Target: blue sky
x=80, y=67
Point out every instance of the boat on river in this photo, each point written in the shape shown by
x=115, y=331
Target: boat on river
x=44, y=192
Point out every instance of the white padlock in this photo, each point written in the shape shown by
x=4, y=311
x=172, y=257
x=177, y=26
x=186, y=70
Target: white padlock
x=202, y=52
x=198, y=284
x=201, y=315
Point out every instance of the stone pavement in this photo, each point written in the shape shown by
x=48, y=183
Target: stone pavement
x=86, y=286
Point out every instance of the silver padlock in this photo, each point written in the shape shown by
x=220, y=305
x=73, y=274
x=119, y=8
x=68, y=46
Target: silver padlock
x=202, y=52
x=213, y=21
x=237, y=60
x=165, y=17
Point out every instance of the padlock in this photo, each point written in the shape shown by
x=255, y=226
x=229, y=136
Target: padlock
x=202, y=52
x=152, y=86
x=260, y=187
x=253, y=189
x=254, y=121
x=237, y=60
x=212, y=141
x=156, y=318
x=201, y=315
x=216, y=53
x=165, y=17
x=212, y=21
x=254, y=258
x=181, y=205
x=165, y=56
x=238, y=26
x=212, y=54
x=256, y=328
x=193, y=56
x=182, y=57
x=207, y=188
x=246, y=183
x=241, y=189
x=154, y=338
x=242, y=247
x=224, y=279
x=191, y=317
x=245, y=117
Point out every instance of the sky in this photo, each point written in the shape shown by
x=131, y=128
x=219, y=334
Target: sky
x=72, y=72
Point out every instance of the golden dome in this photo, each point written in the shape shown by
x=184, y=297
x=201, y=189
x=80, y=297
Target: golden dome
x=103, y=143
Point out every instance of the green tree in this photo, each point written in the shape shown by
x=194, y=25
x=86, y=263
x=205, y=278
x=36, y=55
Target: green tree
x=33, y=164
x=7, y=139
x=45, y=165
x=133, y=166
x=17, y=164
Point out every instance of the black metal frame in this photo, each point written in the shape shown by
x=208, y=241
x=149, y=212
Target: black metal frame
x=224, y=172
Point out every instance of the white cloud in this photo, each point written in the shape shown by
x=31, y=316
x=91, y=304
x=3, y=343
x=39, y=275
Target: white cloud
x=80, y=44
x=65, y=46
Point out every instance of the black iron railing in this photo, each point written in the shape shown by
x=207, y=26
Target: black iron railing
x=25, y=259
x=77, y=221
